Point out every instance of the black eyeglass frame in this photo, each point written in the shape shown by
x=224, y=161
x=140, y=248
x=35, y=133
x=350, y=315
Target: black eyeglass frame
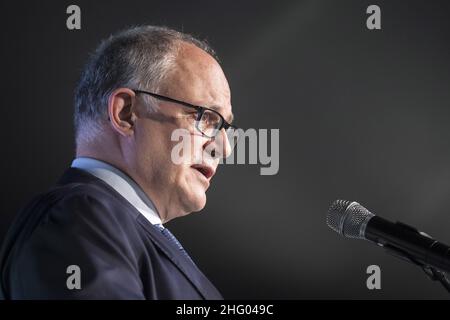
x=200, y=110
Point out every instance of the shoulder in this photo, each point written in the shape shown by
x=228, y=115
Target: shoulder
x=79, y=221
x=89, y=202
x=77, y=209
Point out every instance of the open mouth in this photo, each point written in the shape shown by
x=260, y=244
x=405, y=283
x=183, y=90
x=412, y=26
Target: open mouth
x=206, y=171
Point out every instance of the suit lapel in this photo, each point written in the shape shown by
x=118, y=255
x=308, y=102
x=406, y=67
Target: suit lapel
x=190, y=270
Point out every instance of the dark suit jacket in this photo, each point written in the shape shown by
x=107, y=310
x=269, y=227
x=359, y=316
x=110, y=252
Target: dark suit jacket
x=85, y=222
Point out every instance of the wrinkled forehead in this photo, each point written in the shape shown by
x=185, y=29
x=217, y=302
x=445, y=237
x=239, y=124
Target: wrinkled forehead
x=197, y=78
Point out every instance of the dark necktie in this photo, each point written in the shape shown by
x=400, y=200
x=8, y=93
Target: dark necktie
x=173, y=240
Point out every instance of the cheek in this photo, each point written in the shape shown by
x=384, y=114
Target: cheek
x=154, y=148
x=197, y=148
x=152, y=153
x=182, y=176
x=155, y=142
x=187, y=149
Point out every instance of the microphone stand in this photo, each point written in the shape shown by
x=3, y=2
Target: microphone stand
x=433, y=273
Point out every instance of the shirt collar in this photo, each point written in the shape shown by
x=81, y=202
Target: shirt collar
x=122, y=183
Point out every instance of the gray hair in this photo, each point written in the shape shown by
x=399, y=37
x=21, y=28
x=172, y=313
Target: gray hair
x=138, y=57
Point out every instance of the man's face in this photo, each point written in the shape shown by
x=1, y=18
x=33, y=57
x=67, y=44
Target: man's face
x=178, y=189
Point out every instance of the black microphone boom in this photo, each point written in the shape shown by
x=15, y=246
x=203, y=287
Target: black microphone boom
x=352, y=220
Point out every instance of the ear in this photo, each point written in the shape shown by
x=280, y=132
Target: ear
x=121, y=105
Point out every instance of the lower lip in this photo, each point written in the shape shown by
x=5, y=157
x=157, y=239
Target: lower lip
x=201, y=175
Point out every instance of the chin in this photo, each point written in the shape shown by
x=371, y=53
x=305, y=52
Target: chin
x=195, y=201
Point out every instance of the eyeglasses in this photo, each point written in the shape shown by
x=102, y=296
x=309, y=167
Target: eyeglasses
x=208, y=122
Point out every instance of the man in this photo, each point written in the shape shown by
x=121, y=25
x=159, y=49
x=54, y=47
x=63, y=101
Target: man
x=99, y=234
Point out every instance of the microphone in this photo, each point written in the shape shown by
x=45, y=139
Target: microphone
x=352, y=220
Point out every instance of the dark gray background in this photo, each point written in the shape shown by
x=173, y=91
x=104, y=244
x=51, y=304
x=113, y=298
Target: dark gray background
x=363, y=115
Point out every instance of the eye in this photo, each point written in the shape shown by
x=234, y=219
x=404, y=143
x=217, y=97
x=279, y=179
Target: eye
x=206, y=117
x=210, y=118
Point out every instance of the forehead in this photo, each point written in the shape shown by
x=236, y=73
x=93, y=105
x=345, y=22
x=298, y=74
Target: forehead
x=197, y=78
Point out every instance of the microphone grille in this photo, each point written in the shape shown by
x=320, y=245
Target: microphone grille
x=335, y=213
x=348, y=218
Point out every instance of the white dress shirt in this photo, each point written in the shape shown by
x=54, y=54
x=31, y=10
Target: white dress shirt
x=122, y=183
